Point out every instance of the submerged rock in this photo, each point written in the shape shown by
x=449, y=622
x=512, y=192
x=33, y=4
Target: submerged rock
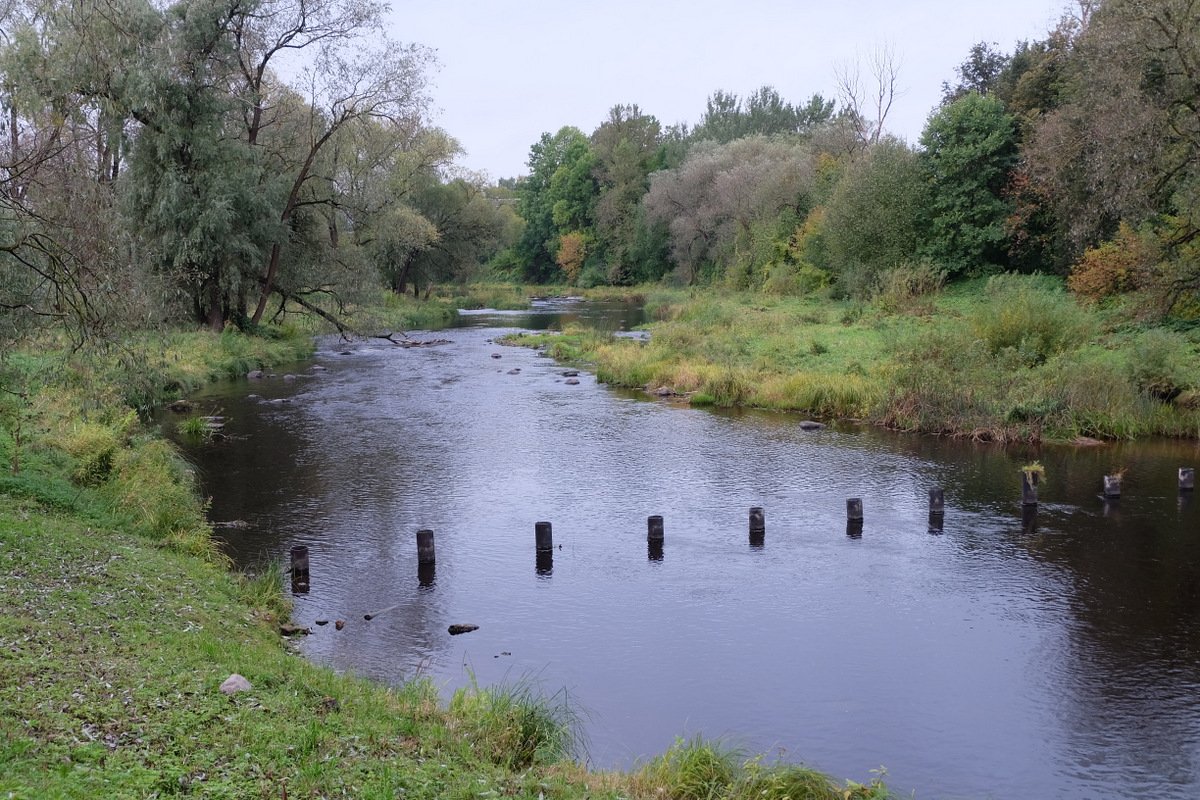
x=571, y=381
x=810, y=425
x=254, y=374
x=235, y=683
x=455, y=630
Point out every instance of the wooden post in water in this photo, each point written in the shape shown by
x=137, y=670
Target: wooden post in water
x=1029, y=519
x=299, y=556
x=1029, y=482
x=854, y=509
x=1112, y=487
x=654, y=528
x=425, y=551
x=543, y=536
x=1187, y=479
x=758, y=527
x=937, y=501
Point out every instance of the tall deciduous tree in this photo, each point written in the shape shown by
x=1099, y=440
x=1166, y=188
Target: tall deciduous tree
x=354, y=78
x=627, y=147
x=764, y=112
x=721, y=191
x=867, y=101
x=968, y=152
x=874, y=219
x=538, y=196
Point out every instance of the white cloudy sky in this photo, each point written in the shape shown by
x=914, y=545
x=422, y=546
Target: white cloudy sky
x=513, y=69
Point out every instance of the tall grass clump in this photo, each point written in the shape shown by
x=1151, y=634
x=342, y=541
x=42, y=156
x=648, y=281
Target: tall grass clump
x=910, y=288
x=515, y=726
x=693, y=769
x=788, y=783
x=264, y=590
x=154, y=489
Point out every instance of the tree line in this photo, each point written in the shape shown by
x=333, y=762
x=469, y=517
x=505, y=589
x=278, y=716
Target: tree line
x=210, y=159
x=1077, y=154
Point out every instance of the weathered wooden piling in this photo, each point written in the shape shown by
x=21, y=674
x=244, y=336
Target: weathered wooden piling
x=1112, y=487
x=854, y=528
x=426, y=574
x=1029, y=483
x=937, y=500
x=1029, y=515
x=758, y=521
x=854, y=509
x=299, y=560
x=1187, y=479
x=654, y=528
x=544, y=566
x=936, y=521
x=543, y=536
x=425, y=551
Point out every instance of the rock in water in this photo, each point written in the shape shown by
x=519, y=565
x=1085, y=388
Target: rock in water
x=455, y=630
x=235, y=683
x=809, y=425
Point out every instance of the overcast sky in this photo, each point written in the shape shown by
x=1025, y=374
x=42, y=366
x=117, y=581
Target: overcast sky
x=513, y=69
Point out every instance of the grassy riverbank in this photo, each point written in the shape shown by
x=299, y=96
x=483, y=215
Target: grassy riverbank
x=1014, y=358
x=119, y=619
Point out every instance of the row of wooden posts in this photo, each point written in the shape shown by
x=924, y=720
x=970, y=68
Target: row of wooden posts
x=544, y=536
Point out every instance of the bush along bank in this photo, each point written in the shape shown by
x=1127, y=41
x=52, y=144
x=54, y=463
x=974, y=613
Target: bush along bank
x=120, y=620
x=1010, y=358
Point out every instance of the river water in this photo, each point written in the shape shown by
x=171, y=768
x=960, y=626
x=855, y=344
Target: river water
x=1002, y=656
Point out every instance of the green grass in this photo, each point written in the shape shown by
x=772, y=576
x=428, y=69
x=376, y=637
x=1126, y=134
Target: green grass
x=1013, y=358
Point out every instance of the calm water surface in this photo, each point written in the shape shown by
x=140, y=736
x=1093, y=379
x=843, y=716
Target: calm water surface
x=1055, y=657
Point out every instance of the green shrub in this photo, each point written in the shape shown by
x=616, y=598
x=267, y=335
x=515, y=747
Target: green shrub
x=1030, y=317
x=1163, y=364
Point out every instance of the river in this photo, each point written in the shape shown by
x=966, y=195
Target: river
x=993, y=656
